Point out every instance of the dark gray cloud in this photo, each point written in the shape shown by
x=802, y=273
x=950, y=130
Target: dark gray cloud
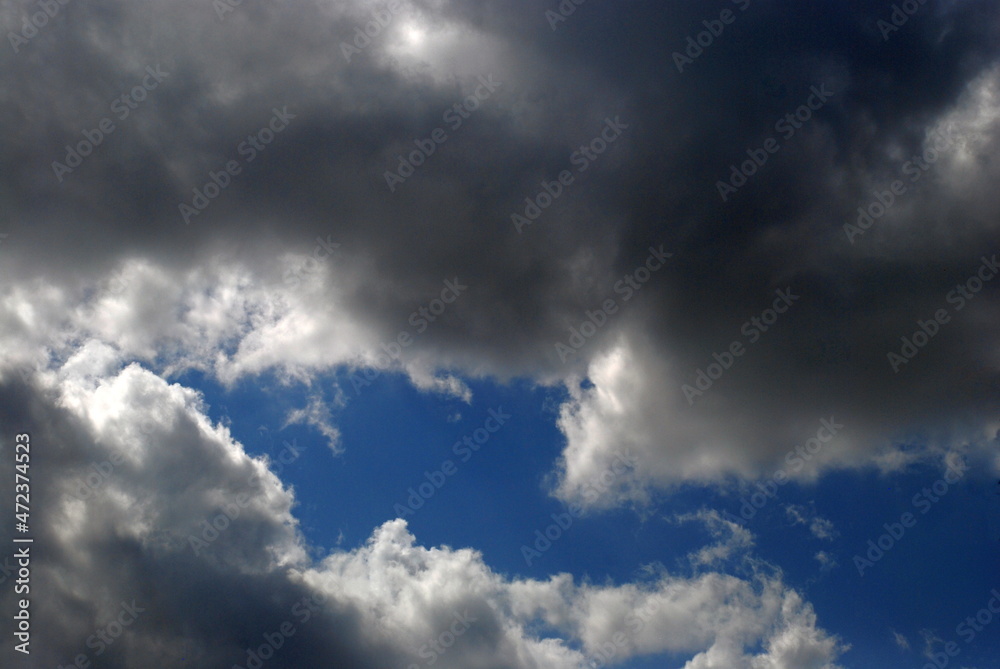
x=323, y=175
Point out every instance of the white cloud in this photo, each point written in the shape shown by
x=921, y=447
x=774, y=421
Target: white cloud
x=411, y=589
x=176, y=472
x=317, y=414
x=634, y=402
x=827, y=561
x=732, y=538
x=821, y=528
x=446, y=384
x=228, y=320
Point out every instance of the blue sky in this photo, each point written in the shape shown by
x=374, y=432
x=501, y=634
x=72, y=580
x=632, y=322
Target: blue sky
x=393, y=434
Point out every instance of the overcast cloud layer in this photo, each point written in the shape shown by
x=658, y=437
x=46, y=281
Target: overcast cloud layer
x=309, y=260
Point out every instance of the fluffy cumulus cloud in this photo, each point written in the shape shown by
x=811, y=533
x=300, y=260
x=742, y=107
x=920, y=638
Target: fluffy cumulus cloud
x=156, y=518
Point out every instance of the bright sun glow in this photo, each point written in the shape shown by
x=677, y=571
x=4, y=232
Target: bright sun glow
x=413, y=34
